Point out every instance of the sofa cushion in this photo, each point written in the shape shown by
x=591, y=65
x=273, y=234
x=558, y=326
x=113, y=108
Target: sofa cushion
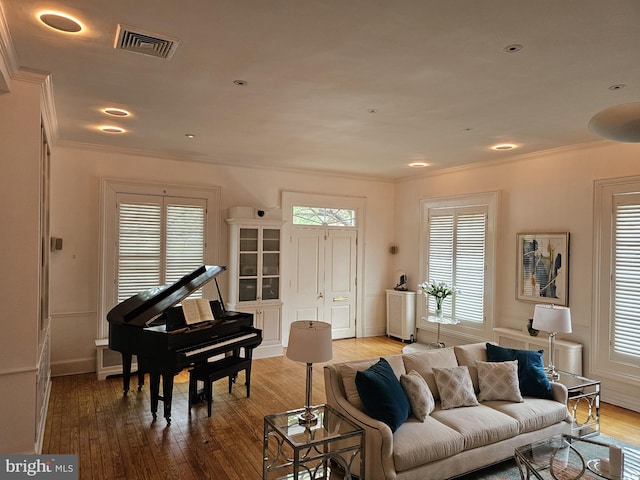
x=425, y=362
x=533, y=414
x=348, y=373
x=455, y=387
x=382, y=395
x=531, y=376
x=418, y=393
x=468, y=355
x=479, y=425
x=498, y=381
x=416, y=443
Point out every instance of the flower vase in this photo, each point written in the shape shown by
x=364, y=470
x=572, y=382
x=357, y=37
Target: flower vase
x=438, y=307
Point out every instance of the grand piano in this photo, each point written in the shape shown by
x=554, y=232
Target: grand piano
x=150, y=326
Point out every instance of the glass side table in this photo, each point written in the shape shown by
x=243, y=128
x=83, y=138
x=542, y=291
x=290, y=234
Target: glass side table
x=295, y=451
x=440, y=320
x=565, y=457
x=586, y=392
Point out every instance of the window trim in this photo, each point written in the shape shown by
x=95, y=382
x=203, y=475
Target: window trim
x=601, y=363
x=110, y=188
x=466, y=332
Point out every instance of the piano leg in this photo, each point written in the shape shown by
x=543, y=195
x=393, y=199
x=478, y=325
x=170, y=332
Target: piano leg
x=154, y=384
x=126, y=372
x=167, y=393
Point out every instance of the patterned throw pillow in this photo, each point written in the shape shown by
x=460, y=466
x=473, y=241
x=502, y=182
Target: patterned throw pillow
x=498, y=381
x=420, y=397
x=455, y=387
x=531, y=375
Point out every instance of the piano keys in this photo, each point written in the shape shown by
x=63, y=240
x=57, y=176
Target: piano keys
x=150, y=326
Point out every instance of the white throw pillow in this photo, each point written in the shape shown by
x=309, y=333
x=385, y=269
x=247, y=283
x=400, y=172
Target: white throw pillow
x=455, y=387
x=498, y=381
x=420, y=397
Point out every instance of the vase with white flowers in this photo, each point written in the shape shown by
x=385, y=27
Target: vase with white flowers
x=438, y=290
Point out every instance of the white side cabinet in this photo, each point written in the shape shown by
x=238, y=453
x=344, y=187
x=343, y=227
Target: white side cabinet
x=401, y=314
x=254, y=277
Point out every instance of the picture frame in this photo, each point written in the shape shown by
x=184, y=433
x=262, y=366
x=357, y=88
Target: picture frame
x=542, y=268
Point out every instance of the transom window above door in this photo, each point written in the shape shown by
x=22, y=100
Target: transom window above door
x=333, y=217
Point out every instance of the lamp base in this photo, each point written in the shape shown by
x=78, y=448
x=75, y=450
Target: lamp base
x=552, y=374
x=307, y=417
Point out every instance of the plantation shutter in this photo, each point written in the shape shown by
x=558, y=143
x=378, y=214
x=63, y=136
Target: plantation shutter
x=457, y=247
x=185, y=240
x=139, y=247
x=625, y=284
x=160, y=239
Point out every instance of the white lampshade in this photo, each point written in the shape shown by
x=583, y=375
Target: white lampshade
x=310, y=342
x=552, y=318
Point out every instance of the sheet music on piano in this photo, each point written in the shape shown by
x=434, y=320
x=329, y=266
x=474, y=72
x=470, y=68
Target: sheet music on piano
x=197, y=310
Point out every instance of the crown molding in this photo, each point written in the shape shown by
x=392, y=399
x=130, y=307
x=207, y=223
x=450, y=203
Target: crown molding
x=8, y=62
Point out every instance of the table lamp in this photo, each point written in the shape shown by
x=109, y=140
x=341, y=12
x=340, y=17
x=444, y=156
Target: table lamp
x=552, y=319
x=309, y=342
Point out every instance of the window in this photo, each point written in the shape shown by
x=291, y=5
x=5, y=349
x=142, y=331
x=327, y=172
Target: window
x=153, y=236
x=332, y=217
x=458, y=249
x=160, y=240
x=617, y=279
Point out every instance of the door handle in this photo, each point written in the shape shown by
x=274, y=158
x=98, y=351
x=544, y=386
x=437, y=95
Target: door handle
x=340, y=299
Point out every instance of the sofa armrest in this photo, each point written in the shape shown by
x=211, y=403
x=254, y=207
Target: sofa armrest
x=559, y=392
x=378, y=439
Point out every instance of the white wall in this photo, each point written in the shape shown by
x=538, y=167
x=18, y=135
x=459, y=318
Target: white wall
x=75, y=194
x=548, y=192
x=19, y=264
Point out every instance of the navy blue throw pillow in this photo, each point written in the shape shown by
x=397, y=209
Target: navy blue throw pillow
x=531, y=375
x=382, y=395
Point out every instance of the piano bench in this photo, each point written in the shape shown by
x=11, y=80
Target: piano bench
x=209, y=372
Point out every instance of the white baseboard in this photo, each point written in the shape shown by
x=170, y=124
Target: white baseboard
x=73, y=367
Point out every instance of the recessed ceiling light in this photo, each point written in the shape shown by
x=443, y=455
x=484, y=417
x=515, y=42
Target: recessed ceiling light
x=418, y=164
x=60, y=22
x=373, y=110
x=189, y=135
x=111, y=129
x=504, y=146
x=513, y=48
x=240, y=83
x=116, y=112
x=617, y=87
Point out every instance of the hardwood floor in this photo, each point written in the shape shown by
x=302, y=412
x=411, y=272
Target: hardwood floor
x=115, y=437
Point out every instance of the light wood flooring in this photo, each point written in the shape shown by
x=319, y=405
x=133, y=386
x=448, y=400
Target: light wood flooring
x=115, y=437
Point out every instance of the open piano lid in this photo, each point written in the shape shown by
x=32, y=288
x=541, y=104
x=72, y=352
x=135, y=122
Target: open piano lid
x=144, y=307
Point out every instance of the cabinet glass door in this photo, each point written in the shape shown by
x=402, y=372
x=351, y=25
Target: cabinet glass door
x=271, y=240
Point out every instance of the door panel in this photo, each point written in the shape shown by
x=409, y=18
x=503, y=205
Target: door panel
x=308, y=261
x=340, y=281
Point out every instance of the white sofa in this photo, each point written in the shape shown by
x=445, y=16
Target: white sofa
x=449, y=442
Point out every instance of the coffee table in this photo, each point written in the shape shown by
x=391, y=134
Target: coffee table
x=566, y=457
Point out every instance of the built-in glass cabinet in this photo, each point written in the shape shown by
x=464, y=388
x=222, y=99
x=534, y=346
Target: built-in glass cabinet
x=254, y=276
x=259, y=264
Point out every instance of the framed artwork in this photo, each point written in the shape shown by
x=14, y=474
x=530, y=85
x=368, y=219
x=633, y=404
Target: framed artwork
x=543, y=268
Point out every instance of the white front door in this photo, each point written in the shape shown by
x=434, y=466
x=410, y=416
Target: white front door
x=340, y=282
x=323, y=263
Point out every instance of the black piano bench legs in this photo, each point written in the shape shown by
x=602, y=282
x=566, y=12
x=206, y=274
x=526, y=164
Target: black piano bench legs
x=209, y=372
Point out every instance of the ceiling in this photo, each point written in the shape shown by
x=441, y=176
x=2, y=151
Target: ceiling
x=359, y=87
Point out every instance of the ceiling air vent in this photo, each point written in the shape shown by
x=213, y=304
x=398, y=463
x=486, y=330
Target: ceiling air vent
x=136, y=40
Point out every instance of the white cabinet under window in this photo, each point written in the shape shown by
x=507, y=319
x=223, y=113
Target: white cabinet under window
x=401, y=314
x=255, y=277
